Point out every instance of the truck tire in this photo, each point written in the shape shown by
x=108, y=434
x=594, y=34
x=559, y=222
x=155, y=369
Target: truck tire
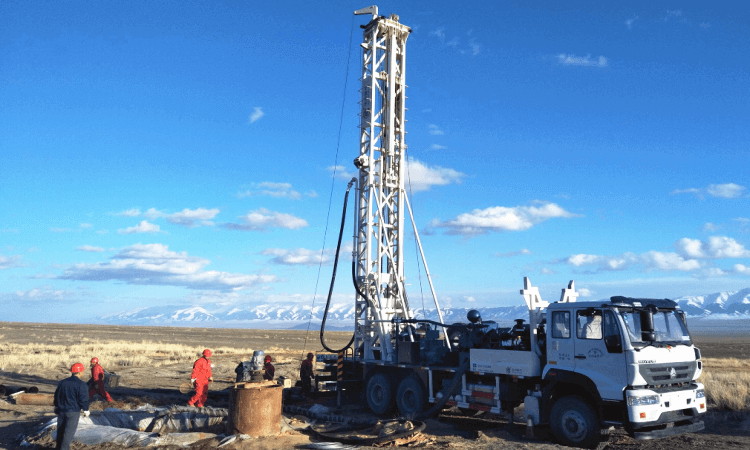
x=410, y=397
x=574, y=423
x=379, y=394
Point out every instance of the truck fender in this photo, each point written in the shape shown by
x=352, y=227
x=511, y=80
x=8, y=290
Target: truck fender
x=559, y=383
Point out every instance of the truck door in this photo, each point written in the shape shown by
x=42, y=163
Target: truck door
x=560, y=337
x=598, y=351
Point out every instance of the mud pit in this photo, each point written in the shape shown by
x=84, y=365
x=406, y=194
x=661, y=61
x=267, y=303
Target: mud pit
x=160, y=387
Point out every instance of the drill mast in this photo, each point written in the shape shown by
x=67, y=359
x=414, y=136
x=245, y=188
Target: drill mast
x=381, y=200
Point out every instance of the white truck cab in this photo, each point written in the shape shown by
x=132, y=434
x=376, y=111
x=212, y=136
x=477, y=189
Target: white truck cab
x=630, y=361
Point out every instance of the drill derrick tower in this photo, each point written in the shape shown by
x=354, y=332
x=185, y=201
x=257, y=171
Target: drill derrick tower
x=379, y=233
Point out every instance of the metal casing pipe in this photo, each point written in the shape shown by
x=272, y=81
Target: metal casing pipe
x=255, y=410
x=35, y=399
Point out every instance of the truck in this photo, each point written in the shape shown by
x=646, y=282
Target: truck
x=578, y=367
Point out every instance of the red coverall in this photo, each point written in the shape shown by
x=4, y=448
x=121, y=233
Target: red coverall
x=201, y=374
x=97, y=373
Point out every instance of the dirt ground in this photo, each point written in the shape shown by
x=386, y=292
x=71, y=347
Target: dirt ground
x=160, y=386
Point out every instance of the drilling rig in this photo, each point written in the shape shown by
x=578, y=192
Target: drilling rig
x=624, y=362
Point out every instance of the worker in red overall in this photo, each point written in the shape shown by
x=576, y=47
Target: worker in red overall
x=269, y=369
x=97, y=377
x=200, y=377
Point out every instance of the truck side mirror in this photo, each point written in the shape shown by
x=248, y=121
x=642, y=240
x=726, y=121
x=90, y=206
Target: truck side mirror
x=647, y=321
x=648, y=336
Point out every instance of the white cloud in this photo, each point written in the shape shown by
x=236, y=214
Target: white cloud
x=90, y=248
x=453, y=42
x=298, y=256
x=133, y=212
x=262, y=219
x=85, y=225
x=44, y=293
x=342, y=173
x=256, y=114
x=470, y=299
x=475, y=48
x=583, y=292
x=6, y=262
x=278, y=190
x=439, y=33
x=501, y=218
x=190, y=218
x=143, y=227
x=709, y=227
x=629, y=22
x=691, y=248
x=715, y=247
x=651, y=260
x=669, y=261
x=547, y=271
x=573, y=60
x=155, y=264
x=742, y=269
x=726, y=190
x=435, y=130
x=421, y=177
x=437, y=147
x=523, y=251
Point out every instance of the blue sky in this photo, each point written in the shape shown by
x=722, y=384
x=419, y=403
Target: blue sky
x=181, y=153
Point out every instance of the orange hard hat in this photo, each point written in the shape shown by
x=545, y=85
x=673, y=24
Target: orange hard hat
x=94, y=360
x=267, y=358
x=77, y=368
x=207, y=352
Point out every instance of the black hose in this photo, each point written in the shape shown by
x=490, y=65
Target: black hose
x=333, y=277
x=446, y=392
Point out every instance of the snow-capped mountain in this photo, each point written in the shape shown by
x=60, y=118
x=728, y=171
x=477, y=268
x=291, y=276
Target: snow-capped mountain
x=720, y=305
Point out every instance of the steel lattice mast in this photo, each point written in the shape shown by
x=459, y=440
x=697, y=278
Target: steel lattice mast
x=381, y=200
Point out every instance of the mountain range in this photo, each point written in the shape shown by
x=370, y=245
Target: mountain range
x=720, y=305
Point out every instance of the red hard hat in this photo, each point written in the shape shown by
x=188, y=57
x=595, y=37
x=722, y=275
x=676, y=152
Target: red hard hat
x=77, y=367
x=94, y=360
x=268, y=358
x=207, y=352
x=310, y=355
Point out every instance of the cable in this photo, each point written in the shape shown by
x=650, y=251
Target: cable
x=416, y=248
x=333, y=277
x=333, y=182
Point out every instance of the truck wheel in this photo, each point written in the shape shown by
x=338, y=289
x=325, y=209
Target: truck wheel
x=379, y=394
x=410, y=397
x=574, y=423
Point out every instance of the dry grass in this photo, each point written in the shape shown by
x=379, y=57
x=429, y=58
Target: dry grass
x=113, y=354
x=727, y=382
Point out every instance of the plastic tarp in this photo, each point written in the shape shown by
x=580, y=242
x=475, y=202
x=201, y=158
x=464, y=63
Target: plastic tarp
x=146, y=426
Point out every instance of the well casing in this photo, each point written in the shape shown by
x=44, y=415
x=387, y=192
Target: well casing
x=255, y=409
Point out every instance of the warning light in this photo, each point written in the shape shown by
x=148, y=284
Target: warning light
x=643, y=415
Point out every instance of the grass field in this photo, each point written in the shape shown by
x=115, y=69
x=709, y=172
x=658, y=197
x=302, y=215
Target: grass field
x=727, y=380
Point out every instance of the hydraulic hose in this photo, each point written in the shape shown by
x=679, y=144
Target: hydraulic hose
x=333, y=277
x=460, y=371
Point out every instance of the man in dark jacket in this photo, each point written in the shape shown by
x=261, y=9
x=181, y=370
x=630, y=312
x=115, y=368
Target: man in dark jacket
x=71, y=396
x=306, y=374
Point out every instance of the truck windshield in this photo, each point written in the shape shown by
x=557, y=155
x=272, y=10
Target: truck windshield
x=668, y=328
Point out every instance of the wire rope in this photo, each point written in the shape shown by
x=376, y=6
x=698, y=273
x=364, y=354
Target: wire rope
x=333, y=183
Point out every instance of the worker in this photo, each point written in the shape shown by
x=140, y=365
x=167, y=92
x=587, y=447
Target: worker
x=269, y=369
x=200, y=377
x=70, y=399
x=306, y=374
x=97, y=378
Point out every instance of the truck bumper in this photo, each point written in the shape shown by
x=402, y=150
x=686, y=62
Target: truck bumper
x=691, y=427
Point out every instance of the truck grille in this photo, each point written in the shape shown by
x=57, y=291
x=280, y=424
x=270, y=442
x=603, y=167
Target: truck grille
x=666, y=374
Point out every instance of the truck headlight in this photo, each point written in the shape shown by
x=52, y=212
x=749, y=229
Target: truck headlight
x=645, y=400
x=700, y=393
